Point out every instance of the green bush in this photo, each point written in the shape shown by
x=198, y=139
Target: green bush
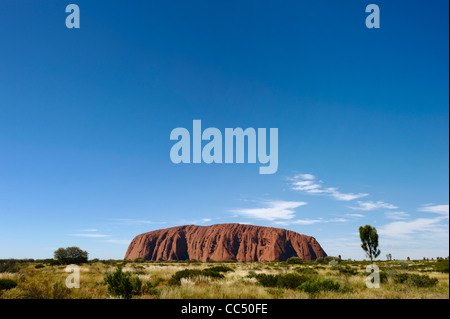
x=403, y=264
x=411, y=280
x=442, y=265
x=421, y=281
x=6, y=284
x=348, y=271
x=281, y=281
x=38, y=266
x=306, y=271
x=294, y=260
x=220, y=269
x=319, y=285
x=9, y=266
x=53, y=262
x=139, y=260
x=291, y=281
x=123, y=284
x=60, y=291
x=267, y=280
x=320, y=260
x=192, y=273
x=334, y=264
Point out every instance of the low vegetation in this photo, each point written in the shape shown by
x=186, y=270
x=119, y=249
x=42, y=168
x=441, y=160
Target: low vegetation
x=330, y=277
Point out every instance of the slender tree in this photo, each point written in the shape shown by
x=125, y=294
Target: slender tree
x=369, y=239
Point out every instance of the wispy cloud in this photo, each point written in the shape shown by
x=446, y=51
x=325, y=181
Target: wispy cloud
x=311, y=221
x=419, y=226
x=309, y=184
x=396, y=215
x=437, y=209
x=355, y=215
x=273, y=210
x=338, y=220
x=299, y=222
x=90, y=230
x=367, y=206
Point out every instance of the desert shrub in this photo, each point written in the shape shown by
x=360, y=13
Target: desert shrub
x=38, y=266
x=123, y=284
x=294, y=260
x=6, y=284
x=9, y=265
x=400, y=278
x=413, y=280
x=281, y=281
x=403, y=264
x=291, y=281
x=320, y=260
x=331, y=258
x=319, y=285
x=192, y=273
x=212, y=274
x=348, y=271
x=139, y=260
x=383, y=277
x=306, y=271
x=60, y=291
x=220, y=269
x=334, y=264
x=52, y=262
x=71, y=255
x=421, y=281
x=442, y=265
x=267, y=280
x=149, y=286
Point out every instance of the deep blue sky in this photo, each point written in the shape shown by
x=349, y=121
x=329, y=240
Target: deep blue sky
x=86, y=114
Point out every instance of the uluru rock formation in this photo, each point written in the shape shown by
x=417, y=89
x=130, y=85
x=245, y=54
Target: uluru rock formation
x=224, y=242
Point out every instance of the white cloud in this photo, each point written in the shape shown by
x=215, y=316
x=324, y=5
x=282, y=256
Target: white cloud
x=205, y=220
x=90, y=230
x=310, y=221
x=366, y=206
x=273, y=210
x=338, y=220
x=396, y=215
x=404, y=229
x=307, y=183
x=299, y=222
x=355, y=215
x=437, y=209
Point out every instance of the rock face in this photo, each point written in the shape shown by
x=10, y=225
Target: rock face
x=223, y=242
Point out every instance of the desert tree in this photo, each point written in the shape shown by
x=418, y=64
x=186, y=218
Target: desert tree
x=369, y=239
x=71, y=255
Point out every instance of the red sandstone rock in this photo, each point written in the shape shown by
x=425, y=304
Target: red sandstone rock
x=223, y=242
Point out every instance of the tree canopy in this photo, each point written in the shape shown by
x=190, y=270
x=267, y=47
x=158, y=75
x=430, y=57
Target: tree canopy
x=71, y=255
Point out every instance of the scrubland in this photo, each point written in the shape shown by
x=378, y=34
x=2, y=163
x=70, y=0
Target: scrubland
x=329, y=279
